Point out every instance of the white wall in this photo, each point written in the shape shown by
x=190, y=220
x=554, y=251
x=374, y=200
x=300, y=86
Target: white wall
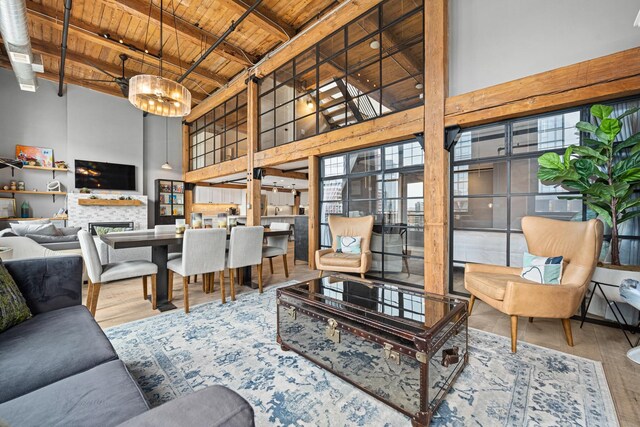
x=86, y=125
x=495, y=41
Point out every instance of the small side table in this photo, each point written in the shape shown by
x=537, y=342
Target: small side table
x=597, y=286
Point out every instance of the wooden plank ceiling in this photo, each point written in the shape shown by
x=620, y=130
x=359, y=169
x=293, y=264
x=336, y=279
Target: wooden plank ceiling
x=97, y=28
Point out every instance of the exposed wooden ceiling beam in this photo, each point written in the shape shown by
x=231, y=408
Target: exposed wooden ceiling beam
x=262, y=18
x=54, y=77
x=284, y=174
x=85, y=62
x=94, y=34
x=195, y=34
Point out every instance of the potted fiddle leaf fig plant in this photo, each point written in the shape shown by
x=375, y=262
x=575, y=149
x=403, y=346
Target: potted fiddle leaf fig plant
x=606, y=173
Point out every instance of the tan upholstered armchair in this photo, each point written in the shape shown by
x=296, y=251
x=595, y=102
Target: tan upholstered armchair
x=329, y=259
x=503, y=288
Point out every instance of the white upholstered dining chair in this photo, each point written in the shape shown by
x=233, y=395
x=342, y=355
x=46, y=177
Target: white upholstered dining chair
x=99, y=274
x=277, y=246
x=245, y=249
x=203, y=252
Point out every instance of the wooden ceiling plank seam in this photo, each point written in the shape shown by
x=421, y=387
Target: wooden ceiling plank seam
x=92, y=33
x=188, y=30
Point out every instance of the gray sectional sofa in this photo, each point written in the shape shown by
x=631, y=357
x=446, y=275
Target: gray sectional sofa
x=58, y=368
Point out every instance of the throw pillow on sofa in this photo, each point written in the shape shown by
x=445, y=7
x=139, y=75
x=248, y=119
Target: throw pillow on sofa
x=41, y=229
x=39, y=238
x=542, y=269
x=13, y=306
x=349, y=244
x=69, y=231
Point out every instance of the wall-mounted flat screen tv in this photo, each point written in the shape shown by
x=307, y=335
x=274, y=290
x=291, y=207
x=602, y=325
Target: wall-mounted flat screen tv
x=105, y=176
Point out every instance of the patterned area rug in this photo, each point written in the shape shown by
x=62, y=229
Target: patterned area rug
x=173, y=354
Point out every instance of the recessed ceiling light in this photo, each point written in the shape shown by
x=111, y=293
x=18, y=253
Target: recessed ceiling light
x=419, y=86
x=375, y=44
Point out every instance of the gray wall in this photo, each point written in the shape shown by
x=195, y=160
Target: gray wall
x=495, y=41
x=154, y=154
x=85, y=125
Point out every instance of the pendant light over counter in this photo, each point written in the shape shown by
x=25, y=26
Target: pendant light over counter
x=157, y=94
x=166, y=164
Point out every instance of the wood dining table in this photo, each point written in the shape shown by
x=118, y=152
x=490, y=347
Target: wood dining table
x=159, y=243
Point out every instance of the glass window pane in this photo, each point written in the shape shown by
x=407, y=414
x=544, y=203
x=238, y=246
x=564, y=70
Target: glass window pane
x=208, y=159
x=332, y=166
x=365, y=187
x=267, y=102
x=305, y=60
x=267, y=121
x=284, y=134
x=242, y=98
x=480, y=178
x=365, y=79
x=242, y=147
x=366, y=207
x=488, y=141
x=365, y=161
x=333, y=190
x=284, y=93
x=208, y=145
x=306, y=127
x=392, y=10
x=306, y=81
x=219, y=111
x=401, y=95
x=266, y=83
x=284, y=73
x=517, y=249
x=332, y=45
x=362, y=27
x=480, y=246
x=284, y=114
x=328, y=72
x=363, y=54
x=403, y=185
x=325, y=236
x=548, y=206
x=267, y=139
x=331, y=208
x=546, y=133
x=231, y=104
x=524, y=178
x=480, y=212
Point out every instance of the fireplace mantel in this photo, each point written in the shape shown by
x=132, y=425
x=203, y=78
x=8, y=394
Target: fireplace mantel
x=107, y=208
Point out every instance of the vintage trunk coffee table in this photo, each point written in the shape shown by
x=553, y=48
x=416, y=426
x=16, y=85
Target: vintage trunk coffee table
x=402, y=346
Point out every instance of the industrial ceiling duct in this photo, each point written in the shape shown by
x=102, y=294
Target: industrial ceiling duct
x=15, y=33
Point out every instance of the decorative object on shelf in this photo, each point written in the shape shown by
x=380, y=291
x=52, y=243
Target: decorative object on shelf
x=196, y=220
x=156, y=94
x=274, y=189
x=166, y=164
x=293, y=189
x=170, y=200
x=7, y=208
x=61, y=164
x=13, y=185
x=180, y=226
x=85, y=190
x=24, y=210
x=6, y=187
x=35, y=156
x=54, y=185
x=20, y=186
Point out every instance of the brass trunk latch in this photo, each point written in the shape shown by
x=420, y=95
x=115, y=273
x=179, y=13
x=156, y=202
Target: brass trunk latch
x=450, y=356
x=291, y=311
x=332, y=331
x=390, y=354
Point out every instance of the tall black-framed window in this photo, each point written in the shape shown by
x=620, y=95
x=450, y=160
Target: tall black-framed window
x=386, y=182
x=220, y=134
x=370, y=67
x=494, y=184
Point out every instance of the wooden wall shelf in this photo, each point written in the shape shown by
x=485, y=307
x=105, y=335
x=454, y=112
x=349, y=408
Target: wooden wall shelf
x=107, y=202
x=55, y=218
x=43, y=168
x=44, y=193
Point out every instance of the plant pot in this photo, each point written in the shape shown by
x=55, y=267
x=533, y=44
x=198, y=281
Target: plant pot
x=614, y=275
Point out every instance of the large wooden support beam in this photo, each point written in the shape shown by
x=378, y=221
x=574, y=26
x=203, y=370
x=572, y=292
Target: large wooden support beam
x=284, y=174
x=262, y=18
x=94, y=34
x=253, y=184
x=389, y=128
x=185, y=151
x=436, y=159
x=188, y=31
x=230, y=167
x=608, y=77
x=314, y=209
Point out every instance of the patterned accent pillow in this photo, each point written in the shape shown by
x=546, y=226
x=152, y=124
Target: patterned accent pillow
x=547, y=270
x=13, y=307
x=349, y=244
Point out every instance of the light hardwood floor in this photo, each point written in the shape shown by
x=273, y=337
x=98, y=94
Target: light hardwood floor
x=122, y=302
